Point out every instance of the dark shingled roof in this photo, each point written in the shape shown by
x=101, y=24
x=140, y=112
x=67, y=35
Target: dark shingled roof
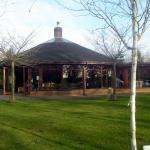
x=62, y=51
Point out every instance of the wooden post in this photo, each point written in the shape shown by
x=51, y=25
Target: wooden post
x=84, y=80
x=125, y=77
x=109, y=77
x=29, y=80
x=4, y=81
x=62, y=79
x=40, y=79
x=106, y=77
x=101, y=72
x=24, y=80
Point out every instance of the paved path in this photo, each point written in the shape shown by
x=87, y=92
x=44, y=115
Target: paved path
x=7, y=97
x=4, y=97
x=58, y=97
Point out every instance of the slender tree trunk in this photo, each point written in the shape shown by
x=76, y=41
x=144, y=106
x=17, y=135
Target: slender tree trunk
x=114, y=81
x=4, y=80
x=84, y=80
x=133, y=77
x=12, y=81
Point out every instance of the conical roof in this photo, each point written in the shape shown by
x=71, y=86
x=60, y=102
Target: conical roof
x=61, y=51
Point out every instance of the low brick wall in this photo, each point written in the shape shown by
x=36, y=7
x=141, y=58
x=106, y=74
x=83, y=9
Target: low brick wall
x=89, y=92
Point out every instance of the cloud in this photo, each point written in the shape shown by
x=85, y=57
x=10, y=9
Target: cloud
x=43, y=17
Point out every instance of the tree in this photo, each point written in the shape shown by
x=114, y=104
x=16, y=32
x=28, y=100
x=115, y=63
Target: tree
x=111, y=46
x=3, y=5
x=139, y=56
x=128, y=19
x=11, y=52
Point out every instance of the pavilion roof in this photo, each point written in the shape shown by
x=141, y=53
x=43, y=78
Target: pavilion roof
x=62, y=51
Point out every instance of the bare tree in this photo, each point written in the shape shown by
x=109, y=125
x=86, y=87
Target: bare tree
x=3, y=5
x=128, y=19
x=140, y=56
x=111, y=46
x=11, y=52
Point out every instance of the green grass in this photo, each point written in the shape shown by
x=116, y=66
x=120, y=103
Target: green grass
x=92, y=124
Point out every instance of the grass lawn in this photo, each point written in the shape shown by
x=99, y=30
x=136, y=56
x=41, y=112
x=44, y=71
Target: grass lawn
x=91, y=124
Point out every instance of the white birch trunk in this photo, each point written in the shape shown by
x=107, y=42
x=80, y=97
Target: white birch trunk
x=133, y=77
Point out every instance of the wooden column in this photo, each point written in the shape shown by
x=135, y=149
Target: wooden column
x=84, y=80
x=29, y=80
x=109, y=78
x=112, y=82
x=4, y=81
x=125, y=77
x=62, y=78
x=40, y=82
x=106, y=77
x=24, y=80
x=101, y=72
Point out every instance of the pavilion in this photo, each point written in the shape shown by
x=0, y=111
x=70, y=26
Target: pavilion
x=60, y=66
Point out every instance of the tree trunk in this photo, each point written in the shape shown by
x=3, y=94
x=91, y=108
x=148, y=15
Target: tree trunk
x=4, y=80
x=84, y=80
x=12, y=81
x=114, y=81
x=133, y=77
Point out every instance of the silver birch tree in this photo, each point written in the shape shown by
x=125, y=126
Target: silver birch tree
x=128, y=19
x=11, y=53
x=108, y=44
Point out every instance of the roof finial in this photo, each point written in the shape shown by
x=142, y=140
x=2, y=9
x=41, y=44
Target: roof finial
x=58, y=23
x=57, y=31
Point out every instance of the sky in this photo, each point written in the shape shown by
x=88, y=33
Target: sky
x=23, y=16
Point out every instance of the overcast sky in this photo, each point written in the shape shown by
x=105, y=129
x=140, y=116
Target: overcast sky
x=23, y=16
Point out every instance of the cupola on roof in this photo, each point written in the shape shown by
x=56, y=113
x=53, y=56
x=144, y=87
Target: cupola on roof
x=58, y=31
x=61, y=51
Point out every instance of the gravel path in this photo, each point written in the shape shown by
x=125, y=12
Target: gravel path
x=7, y=97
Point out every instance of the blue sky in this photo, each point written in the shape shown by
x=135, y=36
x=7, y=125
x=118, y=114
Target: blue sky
x=43, y=17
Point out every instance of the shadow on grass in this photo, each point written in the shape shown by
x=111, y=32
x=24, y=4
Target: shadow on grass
x=10, y=141
x=60, y=142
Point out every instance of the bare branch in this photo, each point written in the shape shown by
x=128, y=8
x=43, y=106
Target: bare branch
x=12, y=49
x=108, y=44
